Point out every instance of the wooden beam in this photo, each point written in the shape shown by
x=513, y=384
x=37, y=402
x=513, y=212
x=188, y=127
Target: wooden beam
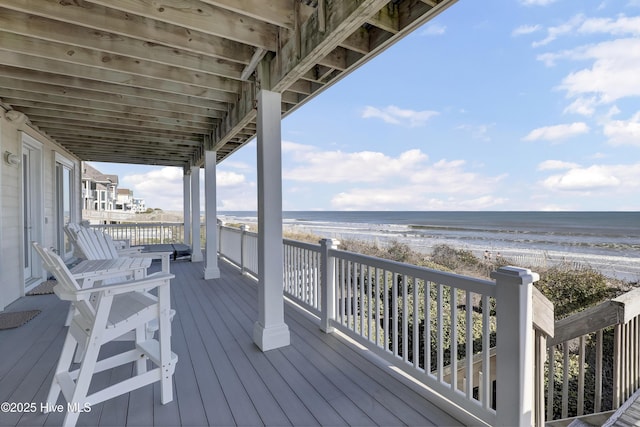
x=61, y=86
x=131, y=137
x=237, y=118
x=104, y=66
x=42, y=121
x=358, y=41
x=65, y=129
x=35, y=100
x=202, y=17
x=116, y=22
x=342, y=19
x=387, y=18
x=68, y=111
x=251, y=66
x=75, y=35
x=111, y=81
x=277, y=12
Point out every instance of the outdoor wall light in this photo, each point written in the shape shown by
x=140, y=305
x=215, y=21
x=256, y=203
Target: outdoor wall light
x=15, y=117
x=12, y=159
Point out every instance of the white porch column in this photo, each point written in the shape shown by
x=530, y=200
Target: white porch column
x=211, y=270
x=196, y=250
x=515, y=346
x=270, y=331
x=186, y=197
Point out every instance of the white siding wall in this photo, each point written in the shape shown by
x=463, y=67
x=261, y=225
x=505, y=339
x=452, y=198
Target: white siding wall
x=10, y=235
x=11, y=246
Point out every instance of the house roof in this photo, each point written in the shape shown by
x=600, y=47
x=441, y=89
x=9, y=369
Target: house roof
x=91, y=173
x=158, y=82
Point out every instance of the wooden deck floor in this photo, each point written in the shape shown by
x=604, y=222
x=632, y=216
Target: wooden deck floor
x=221, y=378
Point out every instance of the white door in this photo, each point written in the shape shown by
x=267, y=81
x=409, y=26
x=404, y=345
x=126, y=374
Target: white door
x=64, y=204
x=31, y=208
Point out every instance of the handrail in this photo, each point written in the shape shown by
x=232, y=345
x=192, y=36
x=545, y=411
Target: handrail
x=543, y=313
x=615, y=373
x=471, y=284
x=592, y=319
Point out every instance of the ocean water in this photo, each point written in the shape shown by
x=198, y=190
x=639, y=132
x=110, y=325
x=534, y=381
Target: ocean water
x=608, y=241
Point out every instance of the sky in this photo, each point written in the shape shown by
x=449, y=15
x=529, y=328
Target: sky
x=527, y=105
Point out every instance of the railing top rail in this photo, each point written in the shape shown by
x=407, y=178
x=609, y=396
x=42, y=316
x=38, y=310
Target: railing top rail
x=592, y=319
x=138, y=224
x=472, y=284
x=631, y=304
x=608, y=313
x=543, y=313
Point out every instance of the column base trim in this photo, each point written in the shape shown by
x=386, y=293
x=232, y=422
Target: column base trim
x=271, y=338
x=211, y=273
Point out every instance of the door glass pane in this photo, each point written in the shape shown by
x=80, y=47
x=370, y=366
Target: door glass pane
x=63, y=207
x=66, y=205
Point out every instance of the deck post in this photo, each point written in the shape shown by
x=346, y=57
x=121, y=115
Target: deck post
x=186, y=198
x=327, y=284
x=515, y=346
x=211, y=269
x=270, y=331
x=196, y=250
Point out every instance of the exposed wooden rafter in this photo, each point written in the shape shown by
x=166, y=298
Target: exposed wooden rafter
x=160, y=81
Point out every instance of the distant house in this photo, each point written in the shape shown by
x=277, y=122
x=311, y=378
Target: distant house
x=124, y=201
x=99, y=191
x=139, y=205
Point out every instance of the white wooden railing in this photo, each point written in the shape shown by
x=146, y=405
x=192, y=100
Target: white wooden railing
x=445, y=330
x=596, y=354
x=149, y=233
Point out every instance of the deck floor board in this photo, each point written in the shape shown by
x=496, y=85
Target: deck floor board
x=221, y=377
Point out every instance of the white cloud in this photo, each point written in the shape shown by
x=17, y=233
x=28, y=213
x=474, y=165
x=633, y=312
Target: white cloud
x=288, y=146
x=556, y=164
x=229, y=179
x=613, y=75
x=398, y=116
x=609, y=178
x=362, y=166
x=244, y=200
x=623, y=25
x=623, y=132
x=583, y=106
x=373, y=180
x=450, y=177
x=557, y=132
x=614, y=64
x=525, y=29
x=161, y=188
x=557, y=31
x=434, y=30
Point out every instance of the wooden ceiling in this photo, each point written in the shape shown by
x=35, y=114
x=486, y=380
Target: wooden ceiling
x=159, y=81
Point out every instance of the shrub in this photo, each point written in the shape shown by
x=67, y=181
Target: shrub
x=574, y=290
